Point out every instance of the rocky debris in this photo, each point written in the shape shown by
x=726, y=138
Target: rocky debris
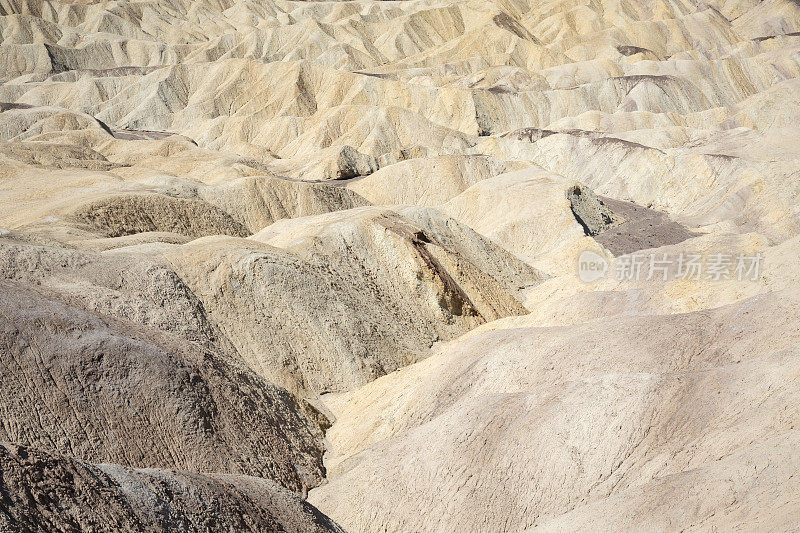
x=507, y=22
x=140, y=135
x=628, y=50
x=43, y=491
x=528, y=134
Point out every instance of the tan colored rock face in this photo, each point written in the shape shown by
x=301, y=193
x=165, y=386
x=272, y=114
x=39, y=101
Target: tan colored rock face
x=391, y=290
x=237, y=236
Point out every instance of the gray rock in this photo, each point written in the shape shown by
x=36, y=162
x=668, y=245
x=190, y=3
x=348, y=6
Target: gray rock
x=590, y=211
x=351, y=163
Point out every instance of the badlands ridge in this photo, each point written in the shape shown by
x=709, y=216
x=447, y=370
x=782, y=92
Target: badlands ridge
x=313, y=266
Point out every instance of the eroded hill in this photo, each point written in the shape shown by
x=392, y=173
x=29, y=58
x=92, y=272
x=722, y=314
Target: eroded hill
x=253, y=252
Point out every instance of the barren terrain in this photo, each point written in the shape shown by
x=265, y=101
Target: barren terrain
x=273, y=265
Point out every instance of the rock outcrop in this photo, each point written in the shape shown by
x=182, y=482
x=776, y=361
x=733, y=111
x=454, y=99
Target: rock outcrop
x=41, y=491
x=350, y=163
x=591, y=213
x=391, y=290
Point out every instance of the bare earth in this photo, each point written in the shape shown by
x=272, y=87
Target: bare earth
x=277, y=265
